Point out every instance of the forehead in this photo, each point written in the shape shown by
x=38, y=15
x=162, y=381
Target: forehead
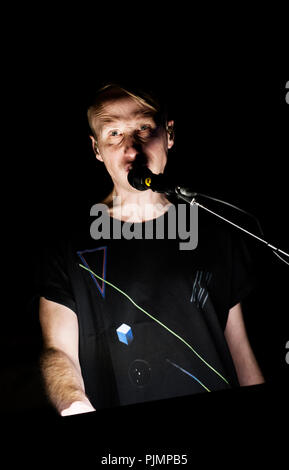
x=123, y=109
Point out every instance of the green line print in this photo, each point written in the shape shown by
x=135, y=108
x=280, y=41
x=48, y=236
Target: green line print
x=160, y=323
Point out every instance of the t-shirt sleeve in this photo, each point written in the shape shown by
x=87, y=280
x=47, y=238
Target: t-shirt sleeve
x=53, y=281
x=243, y=273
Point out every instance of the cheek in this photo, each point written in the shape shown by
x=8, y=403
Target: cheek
x=113, y=163
x=110, y=156
x=157, y=149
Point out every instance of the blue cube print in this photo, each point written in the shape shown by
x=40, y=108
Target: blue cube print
x=124, y=334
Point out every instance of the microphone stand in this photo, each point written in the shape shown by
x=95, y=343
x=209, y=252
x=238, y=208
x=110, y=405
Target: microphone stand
x=142, y=178
x=185, y=195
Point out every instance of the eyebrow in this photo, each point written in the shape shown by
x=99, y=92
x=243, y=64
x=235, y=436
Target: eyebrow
x=106, y=119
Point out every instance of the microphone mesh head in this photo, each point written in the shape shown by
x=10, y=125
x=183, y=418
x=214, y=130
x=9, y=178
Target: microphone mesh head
x=137, y=175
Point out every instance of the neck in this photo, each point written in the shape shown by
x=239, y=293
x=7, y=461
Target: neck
x=136, y=206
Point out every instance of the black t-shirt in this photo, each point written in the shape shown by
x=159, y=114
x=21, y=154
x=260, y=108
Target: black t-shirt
x=151, y=325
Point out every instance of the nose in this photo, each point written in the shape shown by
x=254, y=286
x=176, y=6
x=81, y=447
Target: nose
x=131, y=148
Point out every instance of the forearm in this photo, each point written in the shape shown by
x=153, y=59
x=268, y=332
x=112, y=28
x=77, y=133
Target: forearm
x=247, y=368
x=62, y=378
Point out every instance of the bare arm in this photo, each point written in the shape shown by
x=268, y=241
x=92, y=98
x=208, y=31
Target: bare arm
x=247, y=368
x=59, y=360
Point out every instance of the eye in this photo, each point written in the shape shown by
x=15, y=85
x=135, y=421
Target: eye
x=114, y=133
x=144, y=127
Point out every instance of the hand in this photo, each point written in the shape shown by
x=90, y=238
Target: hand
x=77, y=407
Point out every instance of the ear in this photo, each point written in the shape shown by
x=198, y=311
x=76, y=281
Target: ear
x=170, y=133
x=95, y=148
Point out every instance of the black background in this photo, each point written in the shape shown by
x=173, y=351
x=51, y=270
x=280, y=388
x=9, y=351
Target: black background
x=227, y=96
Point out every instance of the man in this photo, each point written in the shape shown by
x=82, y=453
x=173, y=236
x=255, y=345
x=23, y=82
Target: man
x=144, y=320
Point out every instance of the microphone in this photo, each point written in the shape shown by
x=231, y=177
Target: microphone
x=142, y=178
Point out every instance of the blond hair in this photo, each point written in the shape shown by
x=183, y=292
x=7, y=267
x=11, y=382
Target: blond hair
x=114, y=91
